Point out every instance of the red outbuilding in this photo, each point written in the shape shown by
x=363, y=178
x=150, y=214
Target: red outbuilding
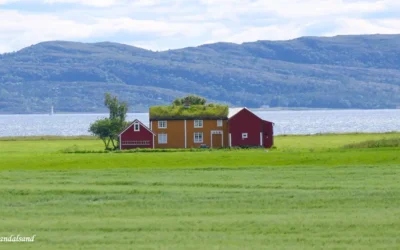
x=137, y=135
x=246, y=129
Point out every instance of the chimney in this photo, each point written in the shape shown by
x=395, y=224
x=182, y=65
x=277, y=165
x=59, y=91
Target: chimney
x=187, y=103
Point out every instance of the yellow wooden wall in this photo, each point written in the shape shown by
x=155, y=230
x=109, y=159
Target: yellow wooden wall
x=176, y=133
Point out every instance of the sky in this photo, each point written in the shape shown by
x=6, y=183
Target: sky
x=170, y=24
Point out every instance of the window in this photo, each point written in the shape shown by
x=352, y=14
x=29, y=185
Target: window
x=198, y=137
x=198, y=123
x=245, y=135
x=162, y=139
x=136, y=127
x=162, y=124
x=219, y=123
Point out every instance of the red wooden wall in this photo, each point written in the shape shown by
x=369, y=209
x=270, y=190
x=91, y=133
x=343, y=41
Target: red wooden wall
x=131, y=139
x=268, y=134
x=247, y=122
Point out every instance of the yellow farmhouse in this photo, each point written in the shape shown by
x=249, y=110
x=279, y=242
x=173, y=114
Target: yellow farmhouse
x=191, y=126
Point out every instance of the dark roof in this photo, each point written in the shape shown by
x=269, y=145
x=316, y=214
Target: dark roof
x=201, y=112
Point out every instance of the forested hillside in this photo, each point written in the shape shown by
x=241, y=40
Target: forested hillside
x=337, y=72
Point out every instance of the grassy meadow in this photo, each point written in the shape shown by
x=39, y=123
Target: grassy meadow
x=311, y=192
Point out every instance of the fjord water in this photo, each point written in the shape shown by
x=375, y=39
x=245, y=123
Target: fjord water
x=286, y=122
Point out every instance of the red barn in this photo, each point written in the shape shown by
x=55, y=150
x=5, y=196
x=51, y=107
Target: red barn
x=137, y=135
x=248, y=130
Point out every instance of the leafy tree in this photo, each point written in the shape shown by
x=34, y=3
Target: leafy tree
x=192, y=99
x=108, y=129
x=117, y=109
x=102, y=129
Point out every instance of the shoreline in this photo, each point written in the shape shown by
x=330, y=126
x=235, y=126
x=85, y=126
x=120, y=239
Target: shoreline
x=252, y=109
x=89, y=137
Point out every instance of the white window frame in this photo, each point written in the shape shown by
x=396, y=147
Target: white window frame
x=196, y=137
x=219, y=123
x=245, y=136
x=138, y=127
x=199, y=123
x=161, y=138
x=162, y=124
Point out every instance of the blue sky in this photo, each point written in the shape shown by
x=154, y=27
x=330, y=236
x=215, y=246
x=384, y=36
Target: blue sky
x=170, y=24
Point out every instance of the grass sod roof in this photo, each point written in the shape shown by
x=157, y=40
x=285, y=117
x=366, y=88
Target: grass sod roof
x=203, y=112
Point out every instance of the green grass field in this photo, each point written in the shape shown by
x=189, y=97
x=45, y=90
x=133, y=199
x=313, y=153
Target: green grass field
x=309, y=193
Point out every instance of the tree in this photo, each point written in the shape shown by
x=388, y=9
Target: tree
x=192, y=99
x=117, y=109
x=108, y=129
x=102, y=129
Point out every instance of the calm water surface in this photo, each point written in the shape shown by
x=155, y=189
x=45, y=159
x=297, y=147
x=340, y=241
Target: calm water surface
x=286, y=122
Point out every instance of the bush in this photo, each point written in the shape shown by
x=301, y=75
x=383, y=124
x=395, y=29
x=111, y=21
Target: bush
x=383, y=143
x=76, y=150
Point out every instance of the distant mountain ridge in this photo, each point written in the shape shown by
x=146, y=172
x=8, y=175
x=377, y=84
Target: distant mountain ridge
x=315, y=72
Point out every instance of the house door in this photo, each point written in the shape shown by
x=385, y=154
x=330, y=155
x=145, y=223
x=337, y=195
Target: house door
x=217, y=139
x=268, y=140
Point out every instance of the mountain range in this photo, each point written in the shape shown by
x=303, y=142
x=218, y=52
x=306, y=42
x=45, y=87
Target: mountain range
x=314, y=72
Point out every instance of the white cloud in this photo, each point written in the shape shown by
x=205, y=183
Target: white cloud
x=349, y=26
x=291, y=9
x=96, y=3
x=321, y=8
x=7, y=1
x=161, y=24
x=149, y=45
x=273, y=32
x=19, y=30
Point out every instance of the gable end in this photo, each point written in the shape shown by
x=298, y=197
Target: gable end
x=141, y=125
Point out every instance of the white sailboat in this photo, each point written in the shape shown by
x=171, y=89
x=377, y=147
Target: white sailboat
x=52, y=110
